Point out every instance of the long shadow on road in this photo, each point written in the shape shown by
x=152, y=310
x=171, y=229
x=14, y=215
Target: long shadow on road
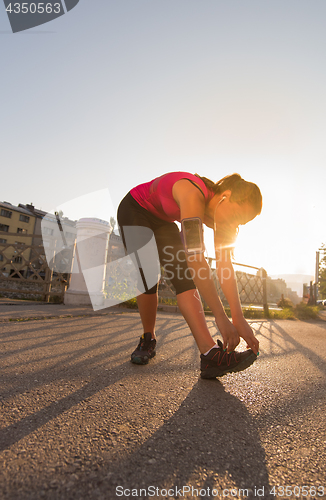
x=210, y=442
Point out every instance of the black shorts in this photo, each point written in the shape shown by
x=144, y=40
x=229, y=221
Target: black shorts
x=170, y=249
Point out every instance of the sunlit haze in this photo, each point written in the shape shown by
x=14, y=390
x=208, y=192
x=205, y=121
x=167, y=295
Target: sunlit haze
x=116, y=93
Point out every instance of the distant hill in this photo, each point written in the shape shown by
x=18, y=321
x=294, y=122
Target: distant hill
x=295, y=281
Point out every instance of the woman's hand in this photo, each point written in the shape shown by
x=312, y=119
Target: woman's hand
x=229, y=333
x=245, y=331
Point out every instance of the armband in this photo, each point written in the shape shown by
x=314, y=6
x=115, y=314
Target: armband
x=192, y=235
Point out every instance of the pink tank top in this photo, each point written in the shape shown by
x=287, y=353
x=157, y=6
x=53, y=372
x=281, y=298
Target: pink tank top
x=156, y=195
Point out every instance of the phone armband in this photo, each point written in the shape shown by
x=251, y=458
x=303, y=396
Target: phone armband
x=192, y=235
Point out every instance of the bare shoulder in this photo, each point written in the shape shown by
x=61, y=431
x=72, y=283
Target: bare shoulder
x=189, y=199
x=183, y=190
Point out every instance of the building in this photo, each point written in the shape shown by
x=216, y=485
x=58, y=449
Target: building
x=22, y=241
x=17, y=227
x=276, y=288
x=49, y=242
x=38, y=214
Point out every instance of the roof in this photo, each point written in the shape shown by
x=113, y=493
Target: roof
x=9, y=206
x=31, y=209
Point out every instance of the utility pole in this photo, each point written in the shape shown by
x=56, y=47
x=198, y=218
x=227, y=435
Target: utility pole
x=317, y=277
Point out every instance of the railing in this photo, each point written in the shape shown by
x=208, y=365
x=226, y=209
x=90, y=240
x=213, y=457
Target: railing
x=29, y=274
x=252, y=288
x=24, y=271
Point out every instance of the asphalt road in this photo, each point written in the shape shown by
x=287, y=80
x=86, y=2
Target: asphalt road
x=79, y=421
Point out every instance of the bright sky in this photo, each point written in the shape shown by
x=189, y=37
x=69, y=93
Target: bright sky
x=117, y=92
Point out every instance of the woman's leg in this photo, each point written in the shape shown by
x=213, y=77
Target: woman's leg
x=191, y=307
x=147, y=306
x=173, y=259
x=130, y=213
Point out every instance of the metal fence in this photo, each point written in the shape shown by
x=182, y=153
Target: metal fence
x=24, y=272
x=252, y=287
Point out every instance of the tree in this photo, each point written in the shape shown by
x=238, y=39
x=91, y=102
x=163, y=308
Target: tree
x=322, y=271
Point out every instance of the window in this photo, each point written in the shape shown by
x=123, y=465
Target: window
x=3, y=241
x=18, y=260
x=24, y=218
x=20, y=230
x=6, y=213
x=47, y=231
x=1, y=257
x=4, y=228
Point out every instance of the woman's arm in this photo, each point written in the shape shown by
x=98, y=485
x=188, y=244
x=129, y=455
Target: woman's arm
x=203, y=280
x=226, y=276
x=192, y=204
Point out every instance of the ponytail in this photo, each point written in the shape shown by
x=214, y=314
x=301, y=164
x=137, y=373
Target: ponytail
x=241, y=190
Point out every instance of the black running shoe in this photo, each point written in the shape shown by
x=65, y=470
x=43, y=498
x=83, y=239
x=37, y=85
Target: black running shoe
x=145, y=350
x=218, y=362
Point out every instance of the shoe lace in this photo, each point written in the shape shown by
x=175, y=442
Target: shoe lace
x=223, y=354
x=144, y=345
x=141, y=345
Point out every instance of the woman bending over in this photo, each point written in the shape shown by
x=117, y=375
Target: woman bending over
x=193, y=200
